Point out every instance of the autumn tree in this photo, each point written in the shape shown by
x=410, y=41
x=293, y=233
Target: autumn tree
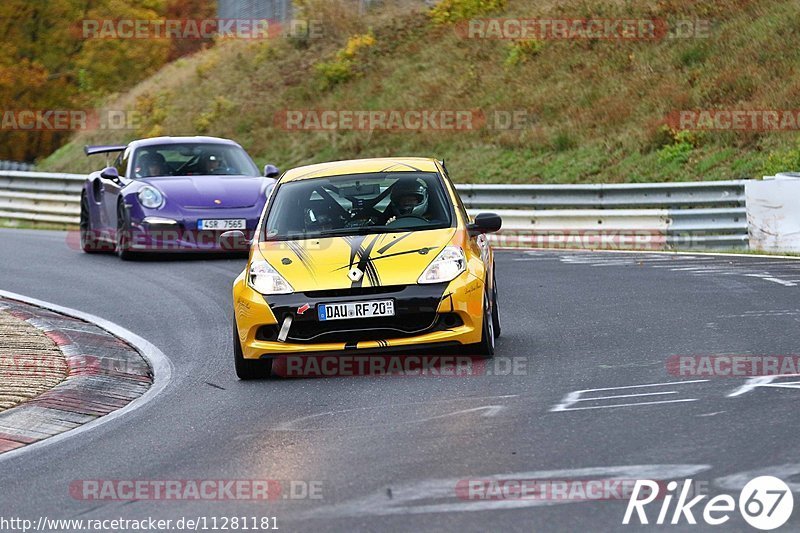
x=49, y=61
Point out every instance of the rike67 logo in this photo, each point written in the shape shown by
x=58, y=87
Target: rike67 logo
x=765, y=503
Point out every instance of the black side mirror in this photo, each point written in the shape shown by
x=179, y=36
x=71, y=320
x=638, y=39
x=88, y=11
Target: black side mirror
x=271, y=171
x=110, y=173
x=233, y=240
x=485, y=223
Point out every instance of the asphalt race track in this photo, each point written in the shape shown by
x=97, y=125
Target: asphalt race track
x=389, y=452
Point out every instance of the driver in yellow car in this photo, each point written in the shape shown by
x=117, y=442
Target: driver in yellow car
x=408, y=198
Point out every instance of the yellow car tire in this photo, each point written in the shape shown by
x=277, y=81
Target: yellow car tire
x=485, y=348
x=495, y=308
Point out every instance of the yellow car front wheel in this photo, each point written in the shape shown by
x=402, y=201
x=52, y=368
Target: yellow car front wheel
x=485, y=348
x=495, y=308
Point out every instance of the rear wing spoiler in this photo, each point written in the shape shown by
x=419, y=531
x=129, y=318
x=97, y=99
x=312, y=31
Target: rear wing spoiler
x=93, y=150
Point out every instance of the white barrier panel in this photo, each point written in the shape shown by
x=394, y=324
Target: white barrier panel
x=773, y=215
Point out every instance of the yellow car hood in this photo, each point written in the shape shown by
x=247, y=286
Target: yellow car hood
x=384, y=258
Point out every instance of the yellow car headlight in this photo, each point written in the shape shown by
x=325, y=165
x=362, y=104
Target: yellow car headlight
x=266, y=280
x=446, y=267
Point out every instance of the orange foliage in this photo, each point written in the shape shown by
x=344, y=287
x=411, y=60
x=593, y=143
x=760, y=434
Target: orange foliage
x=47, y=63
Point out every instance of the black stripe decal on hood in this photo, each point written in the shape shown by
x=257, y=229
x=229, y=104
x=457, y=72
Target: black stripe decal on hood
x=423, y=251
x=357, y=251
x=382, y=249
x=302, y=255
x=366, y=266
x=355, y=246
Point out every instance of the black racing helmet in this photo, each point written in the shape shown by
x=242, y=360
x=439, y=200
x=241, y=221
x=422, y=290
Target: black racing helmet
x=409, y=188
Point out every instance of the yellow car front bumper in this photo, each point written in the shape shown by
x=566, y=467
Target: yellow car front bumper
x=426, y=316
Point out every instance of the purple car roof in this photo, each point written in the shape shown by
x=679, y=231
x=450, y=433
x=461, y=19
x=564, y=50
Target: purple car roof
x=92, y=150
x=179, y=140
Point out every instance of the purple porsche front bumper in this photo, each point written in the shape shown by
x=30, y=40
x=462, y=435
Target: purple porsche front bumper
x=164, y=234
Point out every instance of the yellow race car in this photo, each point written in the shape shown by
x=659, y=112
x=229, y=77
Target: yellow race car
x=370, y=255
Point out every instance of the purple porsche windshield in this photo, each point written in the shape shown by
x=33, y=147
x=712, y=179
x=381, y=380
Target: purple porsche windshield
x=192, y=159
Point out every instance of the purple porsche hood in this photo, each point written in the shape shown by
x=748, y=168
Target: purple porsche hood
x=208, y=192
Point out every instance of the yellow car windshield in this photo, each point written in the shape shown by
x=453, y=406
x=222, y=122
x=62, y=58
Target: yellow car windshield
x=358, y=204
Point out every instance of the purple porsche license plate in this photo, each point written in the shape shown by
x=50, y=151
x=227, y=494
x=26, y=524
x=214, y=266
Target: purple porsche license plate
x=222, y=224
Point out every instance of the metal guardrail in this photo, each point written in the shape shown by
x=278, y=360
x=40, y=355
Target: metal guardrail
x=695, y=215
x=15, y=165
x=701, y=215
x=255, y=9
x=40, y=197
x=606, y=196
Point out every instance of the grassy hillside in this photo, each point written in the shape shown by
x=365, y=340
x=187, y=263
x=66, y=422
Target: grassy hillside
x=597, y=107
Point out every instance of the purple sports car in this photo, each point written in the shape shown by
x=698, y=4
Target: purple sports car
x=170, y=194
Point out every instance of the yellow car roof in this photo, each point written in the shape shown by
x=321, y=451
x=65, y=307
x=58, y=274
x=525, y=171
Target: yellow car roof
x=361, y=166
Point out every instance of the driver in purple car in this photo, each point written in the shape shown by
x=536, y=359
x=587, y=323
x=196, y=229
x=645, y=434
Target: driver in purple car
x=213, y=164
x=151, y=165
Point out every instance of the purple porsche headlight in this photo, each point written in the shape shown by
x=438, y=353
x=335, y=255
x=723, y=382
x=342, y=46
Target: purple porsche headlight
x=151, y=198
